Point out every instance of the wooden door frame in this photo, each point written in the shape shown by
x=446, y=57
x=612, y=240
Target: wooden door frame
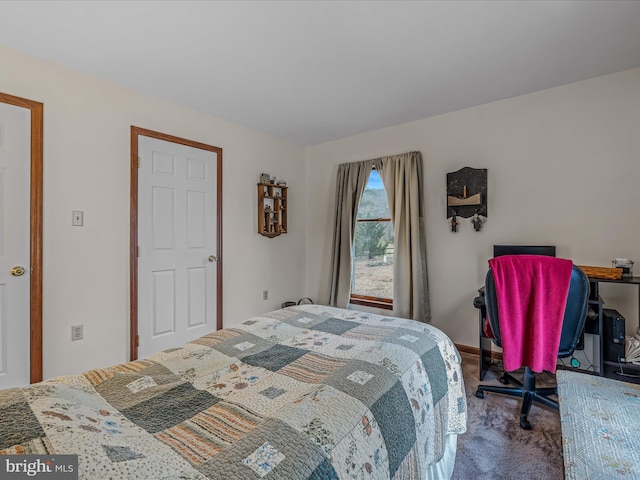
x=136, y=132
x=35, y=240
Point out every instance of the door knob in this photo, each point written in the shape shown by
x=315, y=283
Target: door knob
x=17, y=271
x=213, y=258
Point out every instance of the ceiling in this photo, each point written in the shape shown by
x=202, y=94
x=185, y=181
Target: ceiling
x=315, y=71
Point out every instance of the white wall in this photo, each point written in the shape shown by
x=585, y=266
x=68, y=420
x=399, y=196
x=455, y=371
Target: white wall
x=563, y=169
x=86, y=167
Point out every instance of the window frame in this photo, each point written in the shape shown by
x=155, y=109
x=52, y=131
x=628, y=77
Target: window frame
x=367, y=300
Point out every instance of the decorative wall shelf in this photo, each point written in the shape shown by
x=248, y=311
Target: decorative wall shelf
x=272, y=209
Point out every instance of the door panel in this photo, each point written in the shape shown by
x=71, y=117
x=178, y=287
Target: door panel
x=15, y=154
x=176, y=235
x=163, y=218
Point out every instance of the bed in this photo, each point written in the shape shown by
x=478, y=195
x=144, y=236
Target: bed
x=306, y=392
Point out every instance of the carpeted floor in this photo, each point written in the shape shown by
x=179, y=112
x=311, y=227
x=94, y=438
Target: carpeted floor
x=495, y=447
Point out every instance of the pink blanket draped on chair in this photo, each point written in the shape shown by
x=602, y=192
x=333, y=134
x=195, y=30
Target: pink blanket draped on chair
x=532, y=295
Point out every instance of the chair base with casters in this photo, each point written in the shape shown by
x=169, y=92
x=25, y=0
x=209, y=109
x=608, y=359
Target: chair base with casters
x=526, y=390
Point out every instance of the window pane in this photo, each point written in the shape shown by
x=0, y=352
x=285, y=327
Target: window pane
x=373, y=203
x=373, y=259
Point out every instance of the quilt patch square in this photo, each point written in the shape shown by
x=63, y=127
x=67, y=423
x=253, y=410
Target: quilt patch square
x=371, y=333
x=312, y=368
x=246, y=344
x=324, y=471
x=360, y=377
x=272, y=392
x=154, y=416
x=264, y=459
x=141, y=384
x=275, y=357
x=437, y=373
x=249, y=322
x=242, y=346
x=378, y=380
x=344, y=346
x=335, y=326
x=205, y=435
x=18, y=424
x=409, y=338
x=118, y=453
x=217, y=337
x=393, y=414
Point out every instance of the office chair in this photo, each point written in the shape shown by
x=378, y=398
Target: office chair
x=572, y=327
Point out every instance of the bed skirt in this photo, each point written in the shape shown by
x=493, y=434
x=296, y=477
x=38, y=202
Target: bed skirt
x=443, y=469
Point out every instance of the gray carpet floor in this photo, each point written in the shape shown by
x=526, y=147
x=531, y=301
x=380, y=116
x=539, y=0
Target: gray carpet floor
x=494, y=446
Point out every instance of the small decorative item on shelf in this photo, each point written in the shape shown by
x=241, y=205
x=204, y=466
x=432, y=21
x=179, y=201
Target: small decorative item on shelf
x=282, y=182
x=267, y=208
x=265, y=178
x=625, y=264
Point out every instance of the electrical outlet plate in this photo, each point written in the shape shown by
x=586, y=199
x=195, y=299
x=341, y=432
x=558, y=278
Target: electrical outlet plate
x=76, y=332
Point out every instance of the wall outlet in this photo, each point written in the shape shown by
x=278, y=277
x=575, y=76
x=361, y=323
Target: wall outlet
x=265, y=294
x=76, y=332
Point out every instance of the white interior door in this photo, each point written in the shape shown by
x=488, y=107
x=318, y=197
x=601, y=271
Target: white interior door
x=177, y=244
x=15, y=269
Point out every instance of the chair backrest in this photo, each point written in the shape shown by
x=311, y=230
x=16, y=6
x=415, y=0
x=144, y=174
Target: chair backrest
x=574, y=316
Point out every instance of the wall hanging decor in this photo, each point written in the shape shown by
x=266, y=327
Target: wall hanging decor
x=467, y=196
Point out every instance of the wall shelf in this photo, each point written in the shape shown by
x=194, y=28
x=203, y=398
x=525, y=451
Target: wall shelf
x=272, y=209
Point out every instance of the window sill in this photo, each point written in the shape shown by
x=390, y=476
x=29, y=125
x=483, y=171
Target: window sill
x=382, y=303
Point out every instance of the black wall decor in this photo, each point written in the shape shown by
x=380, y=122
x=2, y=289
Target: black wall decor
x=467, y=192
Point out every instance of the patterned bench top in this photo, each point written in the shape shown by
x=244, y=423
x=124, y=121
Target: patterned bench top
x=600, y=426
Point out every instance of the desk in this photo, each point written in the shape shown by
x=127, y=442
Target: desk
x=605, y=368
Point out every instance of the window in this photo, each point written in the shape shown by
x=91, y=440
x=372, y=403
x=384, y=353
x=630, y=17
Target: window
x=372, y=266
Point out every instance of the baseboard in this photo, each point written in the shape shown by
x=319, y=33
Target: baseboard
x=476, y=351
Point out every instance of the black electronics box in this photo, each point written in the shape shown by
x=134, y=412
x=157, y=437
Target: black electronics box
x=614, y=334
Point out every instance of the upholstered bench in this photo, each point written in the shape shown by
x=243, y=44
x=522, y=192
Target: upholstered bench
x=600, y=420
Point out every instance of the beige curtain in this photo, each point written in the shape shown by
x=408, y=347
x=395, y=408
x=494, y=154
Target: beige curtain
x=402, y=179
x=352, y=178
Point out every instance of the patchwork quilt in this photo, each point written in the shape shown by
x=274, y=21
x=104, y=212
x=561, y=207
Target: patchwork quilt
x=306, y=392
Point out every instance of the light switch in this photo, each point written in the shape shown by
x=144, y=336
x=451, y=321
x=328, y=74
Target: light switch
x=77, y=219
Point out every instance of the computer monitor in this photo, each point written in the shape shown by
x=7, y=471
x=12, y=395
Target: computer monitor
x=548, y=250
